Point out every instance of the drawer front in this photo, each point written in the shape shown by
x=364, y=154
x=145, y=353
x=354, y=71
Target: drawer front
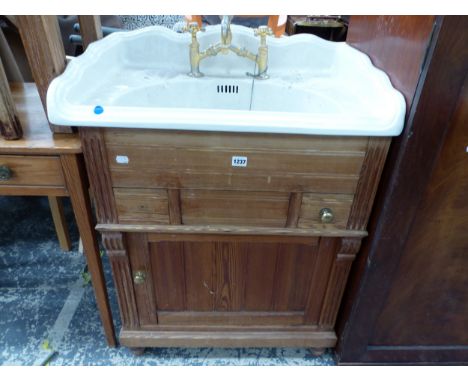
x=153, y=159
x=31, y=171
x=312, y=204
x=221, y=207
x=207, y=207
x=142, y=206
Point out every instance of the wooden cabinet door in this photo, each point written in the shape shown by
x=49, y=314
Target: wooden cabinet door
x=229, y=280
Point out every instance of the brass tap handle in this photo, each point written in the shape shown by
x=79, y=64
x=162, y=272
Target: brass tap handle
x=263, y=31
x=193, y=28
x=5, y=173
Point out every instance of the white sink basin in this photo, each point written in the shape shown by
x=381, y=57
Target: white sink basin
x=139, y=80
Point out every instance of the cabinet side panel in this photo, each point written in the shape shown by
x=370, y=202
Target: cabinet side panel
x=95, y=154
x=368, y=182
x=121, y=271
x=320, y=276
x=337, y=282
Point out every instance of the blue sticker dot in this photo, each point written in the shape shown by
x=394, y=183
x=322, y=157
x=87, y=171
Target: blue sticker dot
x=98, y=110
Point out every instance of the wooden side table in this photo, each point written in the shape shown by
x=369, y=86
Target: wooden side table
x=43, y=163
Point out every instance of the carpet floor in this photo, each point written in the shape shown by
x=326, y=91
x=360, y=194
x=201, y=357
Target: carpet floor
x=48, y=312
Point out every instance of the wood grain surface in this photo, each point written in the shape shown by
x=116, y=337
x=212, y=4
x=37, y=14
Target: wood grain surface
x=37, y=137
x=248, y=281
x=223, y=338
x=33, y=170
x=409, y=306
x=395, y=44
x=95, y=155
x=90, y=29
x=44, y=49
x=10, y=126
x=77, y=185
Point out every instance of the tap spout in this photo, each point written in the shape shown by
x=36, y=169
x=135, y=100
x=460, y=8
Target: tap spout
x=226, y=35
x=225, y=46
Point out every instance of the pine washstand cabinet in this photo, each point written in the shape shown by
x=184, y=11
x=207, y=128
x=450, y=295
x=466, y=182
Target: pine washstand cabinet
x=207, y=254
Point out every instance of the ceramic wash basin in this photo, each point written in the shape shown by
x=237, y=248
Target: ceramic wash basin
x=139, y=80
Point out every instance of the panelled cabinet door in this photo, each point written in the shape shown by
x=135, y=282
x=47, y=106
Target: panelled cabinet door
x=229, y=280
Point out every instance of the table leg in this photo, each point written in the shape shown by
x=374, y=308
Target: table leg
x=75, y=177
x=61, y=228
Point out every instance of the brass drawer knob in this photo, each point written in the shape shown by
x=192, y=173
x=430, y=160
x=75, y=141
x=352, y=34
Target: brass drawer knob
x=139, y=277
x=326, y=215
x=5, y=173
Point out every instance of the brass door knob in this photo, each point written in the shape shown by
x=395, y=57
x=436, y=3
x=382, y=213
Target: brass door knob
x=326, y=215
x=5, y=173
x=139, y=277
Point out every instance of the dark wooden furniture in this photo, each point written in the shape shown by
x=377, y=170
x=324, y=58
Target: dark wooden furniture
x=408, y=298
x=42, y=163
x=332, y=28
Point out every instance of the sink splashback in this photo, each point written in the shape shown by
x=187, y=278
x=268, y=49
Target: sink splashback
x=139, y=79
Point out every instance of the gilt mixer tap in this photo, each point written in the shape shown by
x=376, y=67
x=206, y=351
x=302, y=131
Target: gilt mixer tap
x=225, y=46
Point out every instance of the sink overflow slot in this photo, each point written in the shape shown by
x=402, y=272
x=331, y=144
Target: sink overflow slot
x=228, y=89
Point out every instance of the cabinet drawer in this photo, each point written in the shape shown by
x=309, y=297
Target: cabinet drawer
x=224, y=207
x=265, y=209
x=205, y=161
x=312, y=204
x=32, y=171
x=142, y=206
